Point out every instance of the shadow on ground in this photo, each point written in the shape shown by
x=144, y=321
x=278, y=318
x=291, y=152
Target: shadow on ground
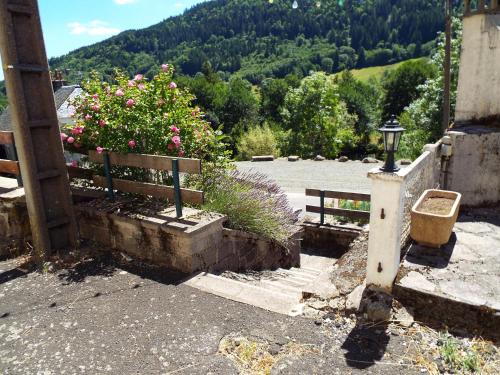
x=107, y=265
x=366, y=344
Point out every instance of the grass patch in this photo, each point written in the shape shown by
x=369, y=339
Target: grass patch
x=253, y=357
x=377, y=72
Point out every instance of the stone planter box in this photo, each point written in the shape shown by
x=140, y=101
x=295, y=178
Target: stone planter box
x=430, y=229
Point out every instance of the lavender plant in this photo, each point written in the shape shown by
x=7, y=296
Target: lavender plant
x=254, y=203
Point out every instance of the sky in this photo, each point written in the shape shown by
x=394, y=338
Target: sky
x=70, y=24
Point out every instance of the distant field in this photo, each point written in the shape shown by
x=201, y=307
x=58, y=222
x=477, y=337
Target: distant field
x=377, y=71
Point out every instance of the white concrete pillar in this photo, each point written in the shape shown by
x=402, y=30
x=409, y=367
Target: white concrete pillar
x=386, y=215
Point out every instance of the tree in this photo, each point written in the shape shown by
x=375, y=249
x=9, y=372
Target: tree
x=401, y=86
x=272, y=93
x=422, y=119
x=317, y=119
x=362, y=100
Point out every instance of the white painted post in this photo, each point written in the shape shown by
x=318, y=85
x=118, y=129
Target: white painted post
x=386, y=215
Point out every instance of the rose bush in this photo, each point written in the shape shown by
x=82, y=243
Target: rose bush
x=141, y=116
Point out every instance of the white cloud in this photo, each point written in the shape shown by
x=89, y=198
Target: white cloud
x=93, y=28
x=124, y=2
x=179, y=5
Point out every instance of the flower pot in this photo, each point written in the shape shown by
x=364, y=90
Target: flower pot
x=432, y=219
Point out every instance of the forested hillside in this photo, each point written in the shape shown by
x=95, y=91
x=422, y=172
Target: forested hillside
x=263, y=38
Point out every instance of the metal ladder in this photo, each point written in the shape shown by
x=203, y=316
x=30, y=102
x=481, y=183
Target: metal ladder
x=35, y=126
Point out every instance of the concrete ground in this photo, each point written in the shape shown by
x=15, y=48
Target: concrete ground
x=463, y=276
x=97, y=318
x=295, y=177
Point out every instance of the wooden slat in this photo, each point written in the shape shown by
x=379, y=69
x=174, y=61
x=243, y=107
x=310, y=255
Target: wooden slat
x=161, y=163
x=6, y=138
x=339, y=195
x=158, y=191
x=340, y=212
x=78, y=172
x=9, y=166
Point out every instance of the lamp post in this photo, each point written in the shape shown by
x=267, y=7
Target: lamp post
x=392, y=135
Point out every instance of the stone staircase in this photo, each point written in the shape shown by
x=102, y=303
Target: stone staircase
x=280, y=291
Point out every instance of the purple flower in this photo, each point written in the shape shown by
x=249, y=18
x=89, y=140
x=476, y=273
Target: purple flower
x=138, y=77
x=164, y=67
x=130, y=102
x=172, y=85
x=119, y=92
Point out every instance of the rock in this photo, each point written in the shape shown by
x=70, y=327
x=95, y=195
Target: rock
x=274, y=349
x=404, y=316
x=343, y=159
x=404, y=162
x=354, y=298
x=336, y=304
x=263, y=158
x=318, y=305
x=319, y=158
x=293, y=158
x=369, y=160
x=378, y=311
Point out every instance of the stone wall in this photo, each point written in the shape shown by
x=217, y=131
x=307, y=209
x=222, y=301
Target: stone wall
x=14, y=223
x=474, y=168
x=328, y=240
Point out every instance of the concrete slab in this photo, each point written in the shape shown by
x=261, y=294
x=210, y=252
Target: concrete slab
x=465, y=273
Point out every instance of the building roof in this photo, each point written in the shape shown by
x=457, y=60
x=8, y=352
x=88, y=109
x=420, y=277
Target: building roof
x=61, y=97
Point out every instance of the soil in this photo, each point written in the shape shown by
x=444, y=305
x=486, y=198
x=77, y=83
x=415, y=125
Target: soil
x=435, y=205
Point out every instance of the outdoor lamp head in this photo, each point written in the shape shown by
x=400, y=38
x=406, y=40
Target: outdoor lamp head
x=392, y=131
x=392, y=135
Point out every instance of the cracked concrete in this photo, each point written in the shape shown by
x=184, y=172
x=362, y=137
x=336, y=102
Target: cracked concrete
x=465, y=272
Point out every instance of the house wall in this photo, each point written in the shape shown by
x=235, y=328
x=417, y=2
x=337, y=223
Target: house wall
x=478, y=95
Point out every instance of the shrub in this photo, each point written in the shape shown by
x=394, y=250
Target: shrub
x=254, y=203
x=140, y=116
x=259, y=140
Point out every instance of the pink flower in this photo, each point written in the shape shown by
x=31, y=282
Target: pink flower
x=70, y=140
x=194, y=113
x=102, y=123
x=95, y=96
x=181, y=153
x=95, y=108
x=131, y=83
x=77, y=130
x=131, y=144
x=77, y=145
x=64, y=136
x=74, y=163
x=138, y=77
x=172, y=85
x=119, y=92
x=99, y=149
x=164, y=67
x=88, y=117
x=175, y=129
x=170, y=146
x=130, y=102
x=141, y=86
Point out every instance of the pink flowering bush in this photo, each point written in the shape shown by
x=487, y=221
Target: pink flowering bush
x=141, y=116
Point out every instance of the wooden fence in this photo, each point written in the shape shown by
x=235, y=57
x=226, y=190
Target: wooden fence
x=337, y=195
x=161, y=163
x=11, y=165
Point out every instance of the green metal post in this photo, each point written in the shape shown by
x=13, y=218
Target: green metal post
x=109, y=178
x=322, y=207
x=177, y=187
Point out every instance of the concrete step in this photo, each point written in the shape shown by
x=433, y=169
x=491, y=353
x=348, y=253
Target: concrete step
x=238, y=291
x=281, y=293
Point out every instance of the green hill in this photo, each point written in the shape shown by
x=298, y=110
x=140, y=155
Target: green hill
x=377, y=72
x=258, y=39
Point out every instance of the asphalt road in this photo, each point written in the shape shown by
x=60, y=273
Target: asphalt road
x=295, y=177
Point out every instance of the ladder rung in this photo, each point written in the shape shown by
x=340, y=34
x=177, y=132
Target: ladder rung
x=22, y=9
x=40, y=124
x=57, y=222
x=28, y=68
x=51, y=173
